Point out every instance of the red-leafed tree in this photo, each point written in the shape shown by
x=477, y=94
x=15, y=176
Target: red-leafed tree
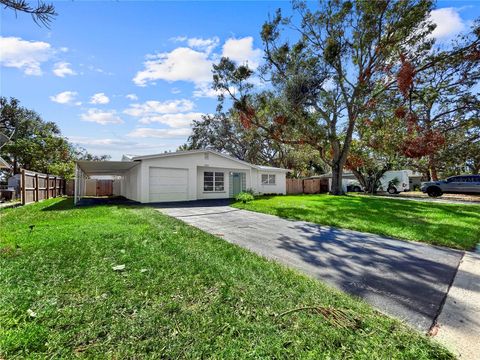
x=344, y=59
x=441, y=101
x=377, y=146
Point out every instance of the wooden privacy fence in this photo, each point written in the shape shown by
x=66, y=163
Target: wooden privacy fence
x=36, y=187
x=307, y=186
x=294, y=186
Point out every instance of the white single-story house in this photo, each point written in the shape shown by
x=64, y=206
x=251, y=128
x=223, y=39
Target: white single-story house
x=182, y=176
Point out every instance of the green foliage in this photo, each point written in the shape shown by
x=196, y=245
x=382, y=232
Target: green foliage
x=449, y=225
x=224, y=132
x=42, y=13
x=444, y=99
x=182, y=294
x=394, y=182
x=328, y=78
x=244, y=197
x=36, y=144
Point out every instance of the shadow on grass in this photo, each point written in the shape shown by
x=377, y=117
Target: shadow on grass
x=67, y=203
x=64, y=204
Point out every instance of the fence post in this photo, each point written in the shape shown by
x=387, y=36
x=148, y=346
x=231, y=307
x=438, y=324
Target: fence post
x=48, y=186
x=36, y=187
x=22, y=187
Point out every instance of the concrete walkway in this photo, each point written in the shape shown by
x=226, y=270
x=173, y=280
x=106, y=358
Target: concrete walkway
x=459, y=321
x=10, y=204
x=407, y=280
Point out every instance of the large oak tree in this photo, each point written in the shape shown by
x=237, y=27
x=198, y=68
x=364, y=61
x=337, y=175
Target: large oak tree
x=346, y=56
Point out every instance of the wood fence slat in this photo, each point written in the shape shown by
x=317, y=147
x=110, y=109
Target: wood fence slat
x=23, y=187
x=307, y=186
x=48, y=187
x=36, y=186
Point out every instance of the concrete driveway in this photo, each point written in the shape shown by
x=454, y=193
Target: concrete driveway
x=407, y=280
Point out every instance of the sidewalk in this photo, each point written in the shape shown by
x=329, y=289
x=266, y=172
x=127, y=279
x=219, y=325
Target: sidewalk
x=459, y=320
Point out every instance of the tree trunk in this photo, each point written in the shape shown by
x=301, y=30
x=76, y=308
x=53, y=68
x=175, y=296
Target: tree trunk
x=337, y=173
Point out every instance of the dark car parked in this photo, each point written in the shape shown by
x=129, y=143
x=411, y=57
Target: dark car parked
x=462, y=184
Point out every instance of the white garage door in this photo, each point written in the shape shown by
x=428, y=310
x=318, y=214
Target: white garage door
x=168, y=184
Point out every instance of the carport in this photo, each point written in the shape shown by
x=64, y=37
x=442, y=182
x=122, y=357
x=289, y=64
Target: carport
x=86, y=169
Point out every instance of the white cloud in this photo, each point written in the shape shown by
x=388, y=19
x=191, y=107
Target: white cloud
x=194, y=63
x=179, y=39
x=242, y=51
x=206, y=45
x=63, y=69
x=100, y=142
x=173, y=120
x=159, y=133
x=99, y=98
x=132, y=97
x=99, y=70
x=181, y=64
x=206, y=91
x=24, y=55
x=65, y=97
x=175, y=91
x=448, y=21
x=153, y=107
x=102, y=117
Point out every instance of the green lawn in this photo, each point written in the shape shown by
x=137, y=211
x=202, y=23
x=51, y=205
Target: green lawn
x=455, y=226
x=183, y=294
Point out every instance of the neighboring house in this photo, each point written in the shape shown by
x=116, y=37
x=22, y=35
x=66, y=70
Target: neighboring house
x=183, y=175
x=3, y=166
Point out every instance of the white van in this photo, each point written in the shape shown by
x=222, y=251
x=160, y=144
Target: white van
x=395, y=181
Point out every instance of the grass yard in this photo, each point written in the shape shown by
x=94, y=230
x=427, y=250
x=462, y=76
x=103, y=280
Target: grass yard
x=182, y=294
x=452, y=225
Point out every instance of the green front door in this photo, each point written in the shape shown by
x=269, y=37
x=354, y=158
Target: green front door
x=236, y=183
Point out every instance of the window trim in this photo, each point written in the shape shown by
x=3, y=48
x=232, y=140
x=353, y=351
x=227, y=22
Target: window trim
x=269, y=177
x=214, y=177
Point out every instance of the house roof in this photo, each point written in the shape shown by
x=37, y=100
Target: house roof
x=4, y=164
x=188, y=152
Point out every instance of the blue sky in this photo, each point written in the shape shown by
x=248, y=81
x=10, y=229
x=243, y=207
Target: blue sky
x=128, y=77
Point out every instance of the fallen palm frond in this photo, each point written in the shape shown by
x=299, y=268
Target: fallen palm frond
x=336, y=317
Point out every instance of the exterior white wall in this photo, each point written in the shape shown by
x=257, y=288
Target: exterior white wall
x=131, y=184
x=190, y=162
x=136, y=181
x=201, y=194
x=117, y=187
x=280, y=186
